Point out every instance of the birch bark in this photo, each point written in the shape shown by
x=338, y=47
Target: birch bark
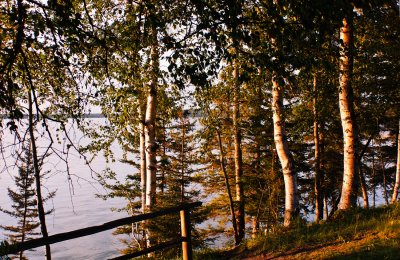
x=397, y=182
x=285, y=157
x=150, y=126
x=348, y=195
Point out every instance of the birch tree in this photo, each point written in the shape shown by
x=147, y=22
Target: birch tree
x=348, y=195
x=285, y=157
x=397, y=176
x=150, y=123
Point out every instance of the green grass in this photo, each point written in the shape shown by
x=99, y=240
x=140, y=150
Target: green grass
x=355, y=234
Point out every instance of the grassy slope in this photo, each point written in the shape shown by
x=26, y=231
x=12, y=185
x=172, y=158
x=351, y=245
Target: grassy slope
x=358, y=234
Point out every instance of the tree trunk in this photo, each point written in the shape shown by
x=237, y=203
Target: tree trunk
x=143, y=167
x=35, y=160
x=397, y=178
x=326, y=212
x=317, y=160
x=150, y=127
x=285, y=157
x=142, y=151
x=150, y=135
x=254, y=226
x=183, y=158
x=361, y=174
x=272, y=192
x=373, y=181
x=257, y=167
x=163, y=172
x=385, y=188
x=348, y=195
x=25, y=180
x=385, y=192
x=238, y=155
x=228, y=189
x=363, y=187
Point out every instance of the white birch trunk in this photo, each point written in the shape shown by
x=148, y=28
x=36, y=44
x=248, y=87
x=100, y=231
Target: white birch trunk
x=289, y=174
x=397, y=181
x=150, y=127
x=347, y=116
x=151, y=148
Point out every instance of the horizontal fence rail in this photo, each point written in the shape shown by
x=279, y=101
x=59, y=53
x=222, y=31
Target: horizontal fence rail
x=185, y=228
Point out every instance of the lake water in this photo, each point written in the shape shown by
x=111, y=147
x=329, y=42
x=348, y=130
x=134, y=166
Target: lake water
x=75, y=206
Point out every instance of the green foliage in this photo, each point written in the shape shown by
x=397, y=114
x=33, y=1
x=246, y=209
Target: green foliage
x=3, y=248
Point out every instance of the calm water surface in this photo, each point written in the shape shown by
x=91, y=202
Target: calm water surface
x=75, y=206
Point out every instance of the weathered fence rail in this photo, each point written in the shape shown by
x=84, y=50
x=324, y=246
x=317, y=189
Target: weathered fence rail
x=185, y=238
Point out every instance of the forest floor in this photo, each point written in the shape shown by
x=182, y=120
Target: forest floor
x=369, y=246
x=357, y=234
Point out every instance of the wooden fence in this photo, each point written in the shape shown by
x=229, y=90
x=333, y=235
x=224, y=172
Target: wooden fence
x=185, y=238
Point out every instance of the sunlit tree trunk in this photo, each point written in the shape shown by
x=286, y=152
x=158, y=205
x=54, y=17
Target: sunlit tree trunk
x=285, y=157
x=150, y=126
x=397, y=178
x=317, y=159
x=36, y=167
x=228, y=189
x=363, y=187
x=373, y=181
x=238, y=155
x=348, y=195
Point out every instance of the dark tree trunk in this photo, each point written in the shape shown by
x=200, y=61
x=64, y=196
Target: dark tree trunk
x=317, y=159
x=36, y=165
x=228, y=188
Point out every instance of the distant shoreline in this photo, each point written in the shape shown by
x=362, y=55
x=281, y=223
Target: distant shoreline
x=94, y=115
x=99, y=115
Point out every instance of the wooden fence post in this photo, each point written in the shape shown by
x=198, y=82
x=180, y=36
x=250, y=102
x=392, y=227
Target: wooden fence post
x=185, y=233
